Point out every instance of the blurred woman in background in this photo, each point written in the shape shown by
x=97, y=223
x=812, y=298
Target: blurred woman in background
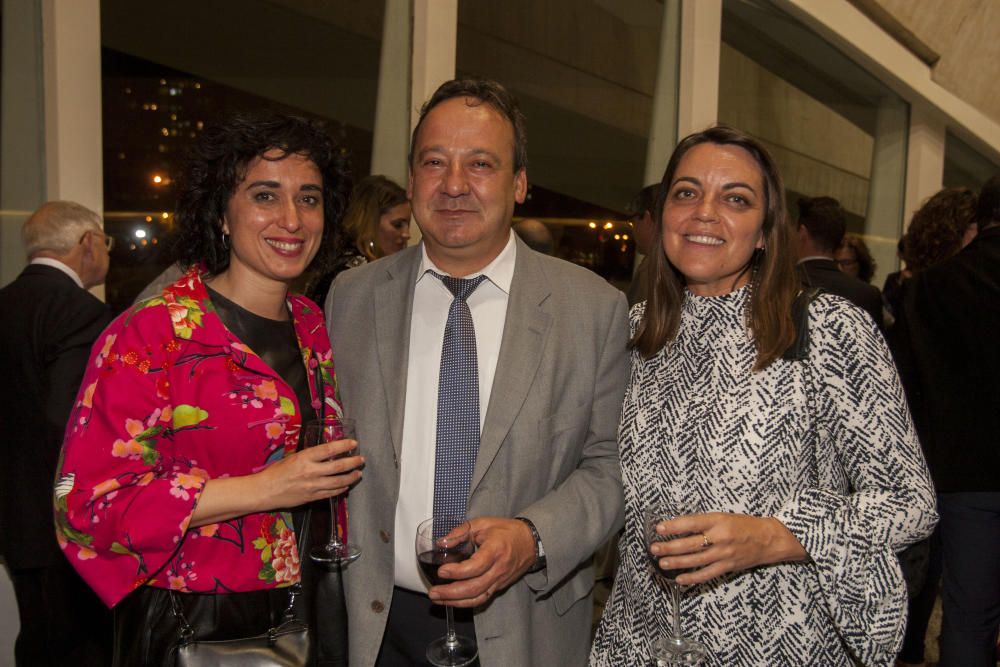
x=377, y=224
x=854, y=258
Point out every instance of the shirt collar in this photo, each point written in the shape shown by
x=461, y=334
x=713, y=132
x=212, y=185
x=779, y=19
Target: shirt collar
x=811, y=258
x=500, y=271
x=56, y=264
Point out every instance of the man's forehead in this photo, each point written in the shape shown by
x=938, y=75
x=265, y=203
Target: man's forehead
x=461, y=112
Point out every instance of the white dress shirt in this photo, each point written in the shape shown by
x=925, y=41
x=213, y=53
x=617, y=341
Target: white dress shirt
x=56, y=264
x=431, y=302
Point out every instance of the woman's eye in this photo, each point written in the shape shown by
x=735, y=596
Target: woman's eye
x=683, y=193
x=264, y=196
x=310, y=200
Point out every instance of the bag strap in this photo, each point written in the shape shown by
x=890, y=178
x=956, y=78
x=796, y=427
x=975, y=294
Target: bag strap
x=799, y=349
x=187, y=632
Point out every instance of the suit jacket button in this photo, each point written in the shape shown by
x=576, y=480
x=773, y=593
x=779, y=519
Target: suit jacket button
x=384, y=534
x=377, y=607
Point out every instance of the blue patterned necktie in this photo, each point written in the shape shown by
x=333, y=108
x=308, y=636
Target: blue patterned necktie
x=458, y=403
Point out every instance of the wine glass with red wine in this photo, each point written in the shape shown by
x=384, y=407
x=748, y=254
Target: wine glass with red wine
x=675, y=649
x=441, y=540
x=317, y=432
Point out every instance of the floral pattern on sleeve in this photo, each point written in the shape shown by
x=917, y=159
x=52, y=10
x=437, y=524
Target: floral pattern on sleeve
x=170, y=400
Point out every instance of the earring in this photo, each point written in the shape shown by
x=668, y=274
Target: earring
x=225, y=241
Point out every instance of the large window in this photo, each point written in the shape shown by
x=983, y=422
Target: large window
x=164, y=81
x=585, y=73
x=832, y=127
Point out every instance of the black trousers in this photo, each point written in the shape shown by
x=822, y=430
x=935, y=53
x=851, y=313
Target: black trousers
x=63, y=622
x=970, y=590
x=921, y=606
x=414, y=622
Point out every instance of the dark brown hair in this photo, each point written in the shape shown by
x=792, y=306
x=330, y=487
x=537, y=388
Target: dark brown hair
x=372, y=197
x=773, y=280
x=488, y=92
x=863, y=256
x=936, y=230
x=825, y=220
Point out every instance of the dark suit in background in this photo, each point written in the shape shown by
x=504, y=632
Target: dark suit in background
x=825, y=274
x=45, y=342
x=951, y=364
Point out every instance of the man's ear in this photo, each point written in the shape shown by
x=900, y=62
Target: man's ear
x=520, y=186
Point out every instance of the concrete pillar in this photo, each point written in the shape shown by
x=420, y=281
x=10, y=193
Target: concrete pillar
x=924, y=159
x=22, y=139
x=435, y=35
x=663, y=126
x=72, y=75
x=700, y=47
x=391, y=140
x=884, y=218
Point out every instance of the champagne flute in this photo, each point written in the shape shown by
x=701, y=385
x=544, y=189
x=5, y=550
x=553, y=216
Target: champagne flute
x=316, y=432
x=675, y=649
x=440, y=540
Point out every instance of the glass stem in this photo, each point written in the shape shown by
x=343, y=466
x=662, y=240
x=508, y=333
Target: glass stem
x=675, y=597
x=450, y=639
x=334, y=516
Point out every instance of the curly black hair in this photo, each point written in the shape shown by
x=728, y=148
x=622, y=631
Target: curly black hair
x=218, y=162
x=936, y=230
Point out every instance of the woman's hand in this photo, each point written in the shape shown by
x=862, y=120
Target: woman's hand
x=301, y=477
x=717, y=543
x=308, y=475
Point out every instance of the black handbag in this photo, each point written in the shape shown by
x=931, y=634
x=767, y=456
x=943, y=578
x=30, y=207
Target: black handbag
x=285, y=645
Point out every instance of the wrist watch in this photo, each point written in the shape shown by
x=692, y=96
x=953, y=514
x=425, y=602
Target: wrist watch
x=540, y=561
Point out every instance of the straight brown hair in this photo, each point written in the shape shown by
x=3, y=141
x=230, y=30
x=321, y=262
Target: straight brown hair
x=773, y=281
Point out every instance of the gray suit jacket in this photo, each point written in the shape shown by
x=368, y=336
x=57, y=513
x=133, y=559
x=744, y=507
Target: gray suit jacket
x=548, y=450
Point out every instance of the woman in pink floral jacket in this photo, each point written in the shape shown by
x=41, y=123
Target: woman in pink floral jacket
x=180, y=469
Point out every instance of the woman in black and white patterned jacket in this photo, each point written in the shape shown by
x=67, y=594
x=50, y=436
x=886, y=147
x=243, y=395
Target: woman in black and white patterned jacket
x=806, y=473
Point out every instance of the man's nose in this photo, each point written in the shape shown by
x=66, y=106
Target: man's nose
x=455, y=182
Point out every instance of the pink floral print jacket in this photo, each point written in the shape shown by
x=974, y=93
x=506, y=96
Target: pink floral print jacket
x=171, y=399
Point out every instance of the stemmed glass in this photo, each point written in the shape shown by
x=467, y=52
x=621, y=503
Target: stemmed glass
x=315, y=433
x=440, y=540
x=675, y=649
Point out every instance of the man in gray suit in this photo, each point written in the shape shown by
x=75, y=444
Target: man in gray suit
x=544, y=488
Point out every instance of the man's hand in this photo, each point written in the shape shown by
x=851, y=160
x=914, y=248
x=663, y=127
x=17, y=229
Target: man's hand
x=505, y=551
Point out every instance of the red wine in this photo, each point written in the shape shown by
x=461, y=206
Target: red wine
x=430, y=561
x=670, y=574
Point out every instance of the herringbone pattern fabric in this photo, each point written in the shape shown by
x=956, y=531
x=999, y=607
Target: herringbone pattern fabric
x=825, y=445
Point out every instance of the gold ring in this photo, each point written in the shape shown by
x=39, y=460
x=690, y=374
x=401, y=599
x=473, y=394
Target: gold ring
x=705, y=542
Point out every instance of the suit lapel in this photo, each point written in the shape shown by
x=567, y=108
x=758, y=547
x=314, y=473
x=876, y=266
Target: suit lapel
x=525, y=330
x=393, y=305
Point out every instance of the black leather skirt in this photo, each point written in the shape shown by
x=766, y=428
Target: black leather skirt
x=146, y=629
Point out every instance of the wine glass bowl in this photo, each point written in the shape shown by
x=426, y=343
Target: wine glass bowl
x=675, y=649
x=441, y=540
x=317, y=432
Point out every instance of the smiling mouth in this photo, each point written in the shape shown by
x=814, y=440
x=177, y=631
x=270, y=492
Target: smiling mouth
x=285, y=246
x=701, y=239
